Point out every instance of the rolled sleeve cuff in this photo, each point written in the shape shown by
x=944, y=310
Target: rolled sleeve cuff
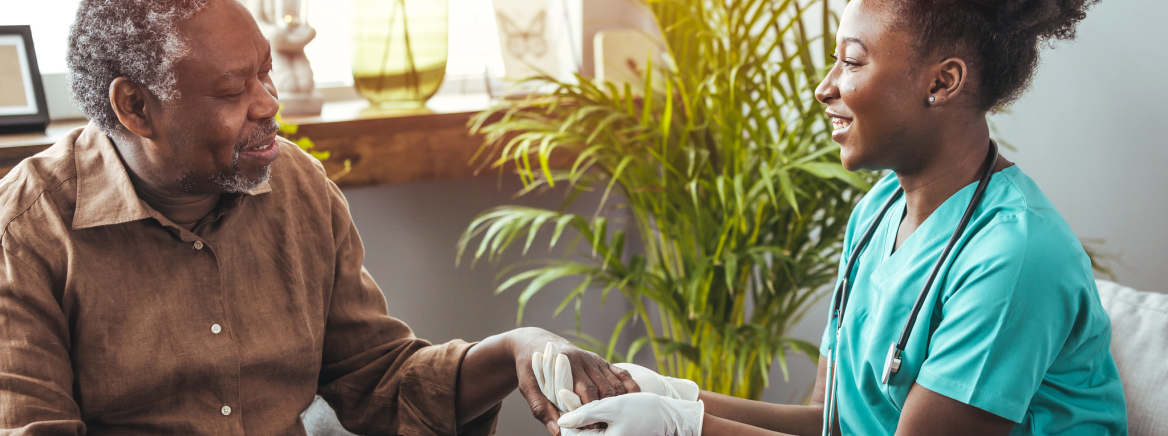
x=428, y=395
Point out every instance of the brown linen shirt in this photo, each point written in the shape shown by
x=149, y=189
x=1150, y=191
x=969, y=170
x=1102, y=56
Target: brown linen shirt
x=114, y=320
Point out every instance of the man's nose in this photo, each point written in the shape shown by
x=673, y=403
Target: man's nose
x=267, y=102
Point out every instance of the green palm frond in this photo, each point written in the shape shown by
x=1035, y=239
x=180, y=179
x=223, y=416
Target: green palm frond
x=724, y=160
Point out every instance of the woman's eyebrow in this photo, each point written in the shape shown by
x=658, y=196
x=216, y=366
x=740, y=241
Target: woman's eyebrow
x=854, y=40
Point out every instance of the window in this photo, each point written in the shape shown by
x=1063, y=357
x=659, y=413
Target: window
x=471, y=55
x=50, y=20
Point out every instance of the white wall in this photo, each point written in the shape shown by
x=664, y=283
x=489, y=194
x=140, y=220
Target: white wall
x=1090, y=133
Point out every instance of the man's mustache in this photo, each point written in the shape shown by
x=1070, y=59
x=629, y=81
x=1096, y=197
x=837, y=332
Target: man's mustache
x=267, y=127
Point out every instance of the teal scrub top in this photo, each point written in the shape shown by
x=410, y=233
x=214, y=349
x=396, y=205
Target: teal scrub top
x=1013, y=324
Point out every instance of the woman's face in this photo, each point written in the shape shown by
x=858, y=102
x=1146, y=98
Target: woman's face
x=875, y=94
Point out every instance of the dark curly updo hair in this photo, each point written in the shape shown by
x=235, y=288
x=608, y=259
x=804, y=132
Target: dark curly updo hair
x=999, y=39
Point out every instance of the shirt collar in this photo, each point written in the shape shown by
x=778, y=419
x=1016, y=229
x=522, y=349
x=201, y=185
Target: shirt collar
x=105, y=195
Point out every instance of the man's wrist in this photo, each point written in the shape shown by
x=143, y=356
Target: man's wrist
x=524, y=341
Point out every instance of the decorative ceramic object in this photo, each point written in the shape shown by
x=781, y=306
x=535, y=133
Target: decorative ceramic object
x=623, y=56
x=400, y=50
x=285, y=25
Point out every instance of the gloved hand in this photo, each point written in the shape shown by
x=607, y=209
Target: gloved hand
x=650, y=381
x=555, y=380
x=637, y=414
x=553, y=372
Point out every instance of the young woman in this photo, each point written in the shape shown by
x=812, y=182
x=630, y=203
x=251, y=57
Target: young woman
x=1010, y=337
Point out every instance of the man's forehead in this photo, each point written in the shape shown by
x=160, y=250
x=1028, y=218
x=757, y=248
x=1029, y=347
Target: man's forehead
x=222, y=40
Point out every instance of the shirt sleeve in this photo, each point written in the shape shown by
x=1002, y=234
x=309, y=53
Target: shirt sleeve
x=375, y=374
x=36, y=376
x=1007, y=309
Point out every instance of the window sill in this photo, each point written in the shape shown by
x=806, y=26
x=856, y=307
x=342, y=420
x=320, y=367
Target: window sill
x=383, y=146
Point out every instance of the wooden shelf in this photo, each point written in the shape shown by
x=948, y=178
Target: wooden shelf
x=383, y=146
x=14, y=148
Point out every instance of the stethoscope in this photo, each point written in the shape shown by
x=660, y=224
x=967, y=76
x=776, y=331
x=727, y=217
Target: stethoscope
x=839, y=299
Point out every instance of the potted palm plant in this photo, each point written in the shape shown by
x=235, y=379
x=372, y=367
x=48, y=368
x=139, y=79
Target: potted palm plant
x=723, y=159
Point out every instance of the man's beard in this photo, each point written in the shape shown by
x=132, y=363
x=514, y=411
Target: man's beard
x=236, y=181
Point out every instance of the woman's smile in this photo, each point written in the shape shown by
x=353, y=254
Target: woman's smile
x=840, y=125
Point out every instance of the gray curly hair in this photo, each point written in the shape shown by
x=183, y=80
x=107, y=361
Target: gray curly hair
x=135, y=39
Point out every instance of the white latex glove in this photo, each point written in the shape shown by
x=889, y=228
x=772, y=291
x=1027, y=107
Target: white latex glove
x=650, y=381
x=647, y=380
x=555, y=380
x=637, y=414
x=553, y=372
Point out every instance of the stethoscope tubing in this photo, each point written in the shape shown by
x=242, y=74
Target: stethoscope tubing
x=978, y=193
x=843, y=291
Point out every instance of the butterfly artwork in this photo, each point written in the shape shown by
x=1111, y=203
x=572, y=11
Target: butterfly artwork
x=524, y=42
x=536, y=38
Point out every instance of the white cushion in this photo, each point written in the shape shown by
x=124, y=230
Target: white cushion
x=1139, y=342
x=320, y=420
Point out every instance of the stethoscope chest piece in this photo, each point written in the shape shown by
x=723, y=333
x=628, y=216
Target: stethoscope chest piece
x=891, y=363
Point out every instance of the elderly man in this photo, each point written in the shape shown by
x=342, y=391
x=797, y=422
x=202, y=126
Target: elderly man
x=174, y=268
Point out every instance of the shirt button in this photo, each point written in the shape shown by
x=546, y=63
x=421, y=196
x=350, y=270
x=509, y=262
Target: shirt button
x=216, y=329
x=226, y=410
x=198, y=245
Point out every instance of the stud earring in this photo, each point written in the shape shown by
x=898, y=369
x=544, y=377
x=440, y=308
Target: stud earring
x=932, y=99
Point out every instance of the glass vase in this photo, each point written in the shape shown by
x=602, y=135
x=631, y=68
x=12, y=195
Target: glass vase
x=400, y=50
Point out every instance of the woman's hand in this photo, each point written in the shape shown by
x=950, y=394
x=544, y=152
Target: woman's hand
x=637, y=414
x=651, y=381
x=554, y=375
x=591, y=377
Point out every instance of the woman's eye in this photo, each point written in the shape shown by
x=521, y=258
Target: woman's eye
x=844, y=61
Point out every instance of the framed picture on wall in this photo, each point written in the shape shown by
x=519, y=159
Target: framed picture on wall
x=22, y=95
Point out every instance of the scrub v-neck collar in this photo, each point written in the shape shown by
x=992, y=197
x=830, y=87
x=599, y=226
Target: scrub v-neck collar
x=939, y=225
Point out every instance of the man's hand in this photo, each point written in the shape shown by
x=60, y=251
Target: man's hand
x=554, y=375
x=592, y=377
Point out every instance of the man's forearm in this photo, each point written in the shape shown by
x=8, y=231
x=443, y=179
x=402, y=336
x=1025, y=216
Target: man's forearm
x=486, y=377
x=797, y=420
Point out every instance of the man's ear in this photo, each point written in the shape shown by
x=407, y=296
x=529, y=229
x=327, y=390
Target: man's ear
x=949, y=78
x=128, y=100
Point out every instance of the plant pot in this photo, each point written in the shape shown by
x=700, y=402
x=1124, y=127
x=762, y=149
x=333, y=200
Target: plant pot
x=400, y=50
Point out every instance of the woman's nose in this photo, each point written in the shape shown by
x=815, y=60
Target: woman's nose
x=827, y=89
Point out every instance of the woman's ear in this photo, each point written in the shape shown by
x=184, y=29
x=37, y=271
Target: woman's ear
x=949, y=77
x=128, y=100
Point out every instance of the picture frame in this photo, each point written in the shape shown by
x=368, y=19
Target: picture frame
x=22, y=94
